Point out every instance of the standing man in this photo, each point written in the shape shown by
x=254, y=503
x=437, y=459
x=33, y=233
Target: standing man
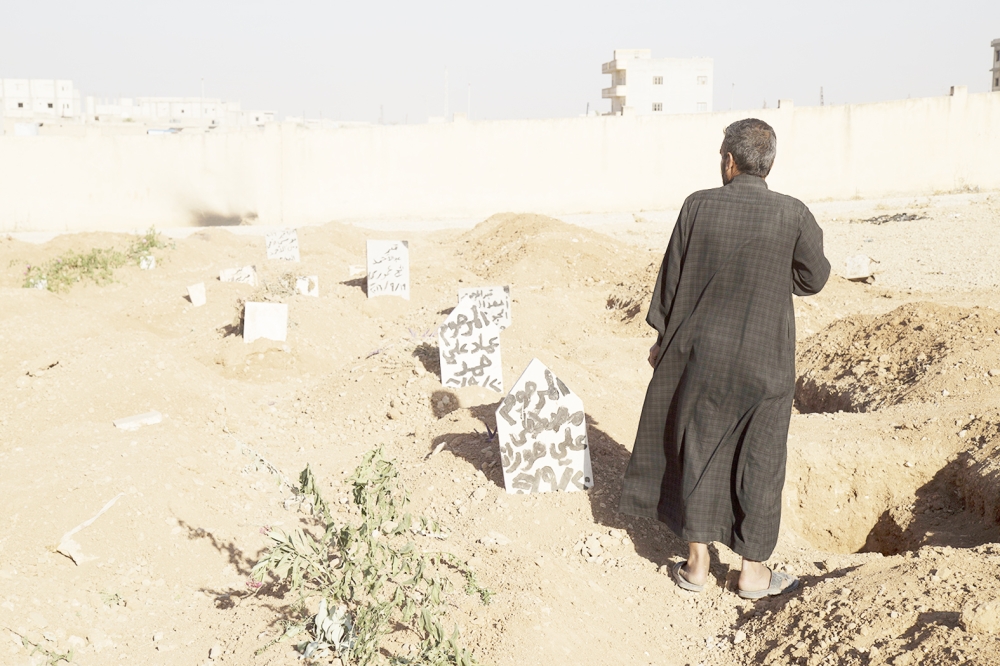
x=709, y=455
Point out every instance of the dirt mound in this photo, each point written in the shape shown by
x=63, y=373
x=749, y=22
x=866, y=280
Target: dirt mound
x=919, y=351
x=533, y=249
x=930, y=607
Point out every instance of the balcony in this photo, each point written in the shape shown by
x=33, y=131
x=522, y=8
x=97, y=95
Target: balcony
x=613, y=91
x=609, y=67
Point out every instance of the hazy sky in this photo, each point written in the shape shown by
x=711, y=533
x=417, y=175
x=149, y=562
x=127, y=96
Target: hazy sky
x=522, y=59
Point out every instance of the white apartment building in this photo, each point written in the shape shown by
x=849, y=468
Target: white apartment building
x=643, y=85
x=39, y=99
x=174, y=111
x=996, y=65
x=35, y=101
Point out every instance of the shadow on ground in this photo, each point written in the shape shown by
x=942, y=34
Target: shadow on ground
x=937, y=517
x=609, y=458
x=361, y=283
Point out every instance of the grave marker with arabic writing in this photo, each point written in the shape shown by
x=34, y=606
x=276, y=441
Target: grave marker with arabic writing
x=469, y=349
x=246, y=275
x=542, y=434
x=282, y=244
x=388, y=268
x=494, y=301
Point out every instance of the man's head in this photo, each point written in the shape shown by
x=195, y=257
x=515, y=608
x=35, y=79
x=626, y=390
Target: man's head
x=748, y=147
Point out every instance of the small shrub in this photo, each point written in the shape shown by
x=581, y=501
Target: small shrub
x=142, y=246
x=370, y=577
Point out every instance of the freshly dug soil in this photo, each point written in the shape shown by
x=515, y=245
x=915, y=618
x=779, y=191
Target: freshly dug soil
x=890, y=506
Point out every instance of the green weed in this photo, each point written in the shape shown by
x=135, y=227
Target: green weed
x=98, y=265
x=51, y=656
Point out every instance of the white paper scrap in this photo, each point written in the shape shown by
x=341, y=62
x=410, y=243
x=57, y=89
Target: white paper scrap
x=139, y=420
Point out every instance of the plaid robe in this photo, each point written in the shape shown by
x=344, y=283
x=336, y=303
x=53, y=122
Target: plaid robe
x=709, y=455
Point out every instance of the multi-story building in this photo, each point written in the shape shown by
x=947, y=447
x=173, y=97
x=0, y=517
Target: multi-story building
x=39, y=99
x=175, y=111
x=996, y=65
x=643, y=85
x=36, y=101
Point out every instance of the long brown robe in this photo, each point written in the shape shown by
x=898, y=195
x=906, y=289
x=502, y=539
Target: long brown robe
x=709, y=455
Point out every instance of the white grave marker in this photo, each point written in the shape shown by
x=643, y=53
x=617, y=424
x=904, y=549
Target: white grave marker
x=494, y=301
x=859, y=267
x=246, y=275
x=542, y=433
x=307, y=285
x=469, y=349
x=282, y=244
x=196, y=293
x=388, y=268
x=147, y=262
x=265, y=320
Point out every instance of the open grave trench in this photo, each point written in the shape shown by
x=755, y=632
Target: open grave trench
x=897, y=444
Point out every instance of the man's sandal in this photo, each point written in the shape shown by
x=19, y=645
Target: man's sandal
x=780, y=584
x=682, y=582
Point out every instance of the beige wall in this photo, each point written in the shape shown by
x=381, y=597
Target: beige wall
x=287, y=175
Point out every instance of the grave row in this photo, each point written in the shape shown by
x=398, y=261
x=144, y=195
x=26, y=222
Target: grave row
x=541, y=423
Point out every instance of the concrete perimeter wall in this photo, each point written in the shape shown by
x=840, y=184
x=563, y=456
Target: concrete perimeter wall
x=288, y=175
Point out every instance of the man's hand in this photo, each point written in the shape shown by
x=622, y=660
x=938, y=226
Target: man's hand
x=654, y=351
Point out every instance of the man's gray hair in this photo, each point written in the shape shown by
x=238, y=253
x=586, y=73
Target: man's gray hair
x=753, y=145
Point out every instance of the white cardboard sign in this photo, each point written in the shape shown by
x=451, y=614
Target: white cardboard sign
x=494, y=301
x=196, y=293
x=542, y=434
x=265, y=320
x=282, y=244
x=307, y=285
x=469, y=349
x=388, y=268
x=246, y=275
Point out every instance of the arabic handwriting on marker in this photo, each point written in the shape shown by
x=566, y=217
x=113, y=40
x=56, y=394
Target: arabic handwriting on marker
x=508, y=403
x=520, y=440
x=537, y=451
x=515, y=462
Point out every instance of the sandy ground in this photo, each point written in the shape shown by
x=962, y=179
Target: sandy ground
x=891, y=500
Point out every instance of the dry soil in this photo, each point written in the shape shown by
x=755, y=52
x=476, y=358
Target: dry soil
x=891, y=502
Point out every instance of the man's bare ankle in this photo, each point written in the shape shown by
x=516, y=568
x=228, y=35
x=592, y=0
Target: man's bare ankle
x=754, y=576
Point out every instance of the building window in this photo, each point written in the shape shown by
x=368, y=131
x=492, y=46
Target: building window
x=657, y=106
x=20, y=105
x=50, y=105
x=702, y=80
x=998, y=56
x=657, y=80
x=702, y=107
